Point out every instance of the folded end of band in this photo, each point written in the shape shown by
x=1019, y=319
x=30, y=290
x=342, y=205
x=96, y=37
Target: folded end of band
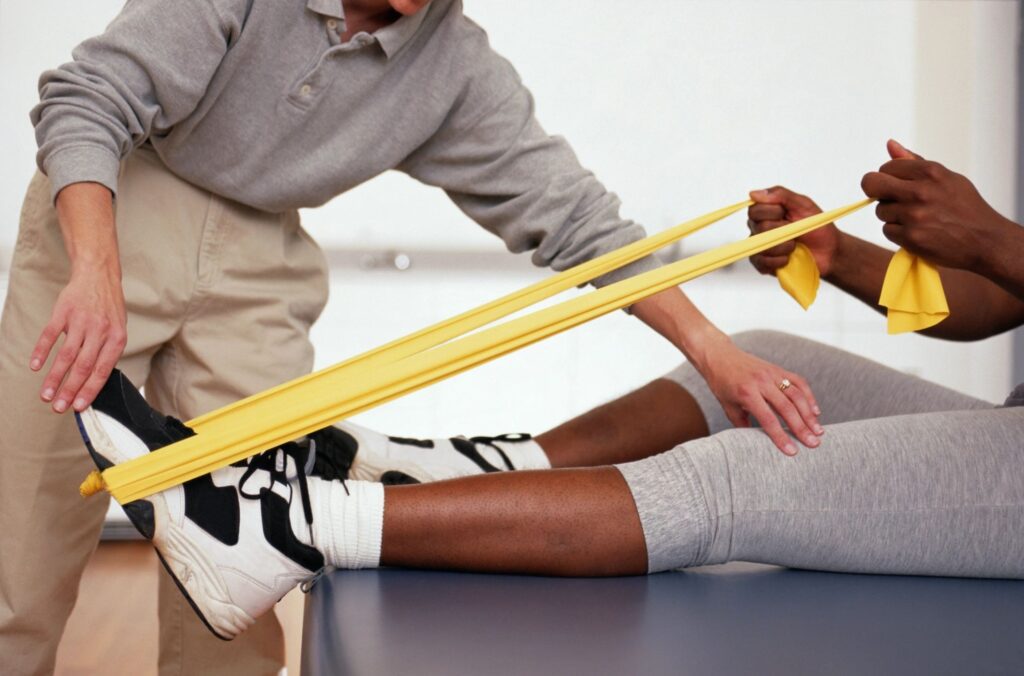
x=912, y=292
x=800, y=277
x=92, y=485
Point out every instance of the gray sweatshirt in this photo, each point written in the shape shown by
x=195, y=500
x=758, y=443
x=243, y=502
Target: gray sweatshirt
x=260, y=101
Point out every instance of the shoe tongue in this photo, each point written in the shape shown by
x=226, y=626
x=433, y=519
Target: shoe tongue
x=299, y=457
x=335, y=452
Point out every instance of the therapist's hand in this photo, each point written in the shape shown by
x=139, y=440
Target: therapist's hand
x=90, y=313
x=745, y=385
x=777, y=206
x=934, y=212
x=90, y=310
x=749, y=389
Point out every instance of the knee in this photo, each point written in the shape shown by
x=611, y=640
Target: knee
x=771, y=345
x=749, y=340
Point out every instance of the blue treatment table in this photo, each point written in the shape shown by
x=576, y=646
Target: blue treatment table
x=731, y=619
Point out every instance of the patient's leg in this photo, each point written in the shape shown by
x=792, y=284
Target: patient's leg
x=679, y=407
x=557, y=522
x=847, y=386
x=933, y=493
x=927, y=494
x=650, y=420
x=647, y=421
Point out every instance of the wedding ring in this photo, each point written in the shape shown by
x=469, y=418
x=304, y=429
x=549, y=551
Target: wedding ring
x=785, y=384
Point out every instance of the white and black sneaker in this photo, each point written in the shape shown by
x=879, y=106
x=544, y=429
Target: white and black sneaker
x=228, y=538
x=401, y=460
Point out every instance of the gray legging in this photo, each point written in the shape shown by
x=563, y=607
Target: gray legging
x=910, y=478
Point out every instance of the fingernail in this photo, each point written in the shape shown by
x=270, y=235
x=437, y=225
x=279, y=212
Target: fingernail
x=817, y=411
x=758, y=193
x=79, y=404
x=790, y=449
x=60, y=406
x=48, y=393
x=811, y=441
x=35, y=365
x=818, y=429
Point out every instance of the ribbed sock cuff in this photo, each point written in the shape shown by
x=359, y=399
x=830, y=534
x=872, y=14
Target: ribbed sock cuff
x=527, y=455
x=352, y=524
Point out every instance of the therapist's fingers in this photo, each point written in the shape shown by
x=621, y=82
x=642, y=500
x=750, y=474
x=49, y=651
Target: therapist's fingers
x=736, y=415
x=78, y=373
x=791, y=405
x=806, y=427
x=808, y=393
x=66, y=356
x=765, y=417
x=106, y=360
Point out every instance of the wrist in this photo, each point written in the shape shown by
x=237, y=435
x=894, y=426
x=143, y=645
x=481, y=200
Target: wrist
x=844, y=251
x=1000, y=257
x=700, y=345
x=96, y=264
x=672, y=315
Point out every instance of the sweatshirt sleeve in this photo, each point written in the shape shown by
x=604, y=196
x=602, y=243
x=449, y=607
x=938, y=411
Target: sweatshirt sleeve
x=505, y=172
x=147, y=71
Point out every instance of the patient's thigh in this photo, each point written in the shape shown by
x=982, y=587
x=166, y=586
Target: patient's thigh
x=846, y=386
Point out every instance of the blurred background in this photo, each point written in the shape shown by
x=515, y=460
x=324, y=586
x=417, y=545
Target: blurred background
x=679, y=107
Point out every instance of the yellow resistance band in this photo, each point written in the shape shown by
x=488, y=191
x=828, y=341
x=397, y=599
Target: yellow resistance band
x=307, y=404
x=473, y=319
x=911, y=292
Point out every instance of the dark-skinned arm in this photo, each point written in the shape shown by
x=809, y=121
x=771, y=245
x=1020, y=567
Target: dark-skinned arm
x=979, y=308
x=932, y=212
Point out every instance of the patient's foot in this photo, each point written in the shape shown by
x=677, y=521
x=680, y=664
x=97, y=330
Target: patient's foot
x=237, y=540
x=397, y=460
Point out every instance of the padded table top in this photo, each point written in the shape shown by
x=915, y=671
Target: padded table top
x=731, y=619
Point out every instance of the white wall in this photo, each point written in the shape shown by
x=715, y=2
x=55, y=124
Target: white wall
x=679, y=107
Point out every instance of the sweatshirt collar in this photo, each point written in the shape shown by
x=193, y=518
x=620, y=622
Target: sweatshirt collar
x=391, y=38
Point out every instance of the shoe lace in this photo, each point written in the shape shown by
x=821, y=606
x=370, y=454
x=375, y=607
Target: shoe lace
x=510, y=437
x=275, y=463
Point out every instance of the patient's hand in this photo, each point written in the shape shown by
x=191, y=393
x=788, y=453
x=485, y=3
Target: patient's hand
x=936, y=213
x=777, y=206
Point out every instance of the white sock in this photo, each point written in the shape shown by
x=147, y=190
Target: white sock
x=436, y=459
x=347, y=527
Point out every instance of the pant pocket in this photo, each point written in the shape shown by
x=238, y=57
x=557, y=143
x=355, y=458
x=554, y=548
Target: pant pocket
x=37, y=213
x=309, y=256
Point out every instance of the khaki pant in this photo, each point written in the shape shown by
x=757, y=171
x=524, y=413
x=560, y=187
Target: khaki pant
x=220, y=301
